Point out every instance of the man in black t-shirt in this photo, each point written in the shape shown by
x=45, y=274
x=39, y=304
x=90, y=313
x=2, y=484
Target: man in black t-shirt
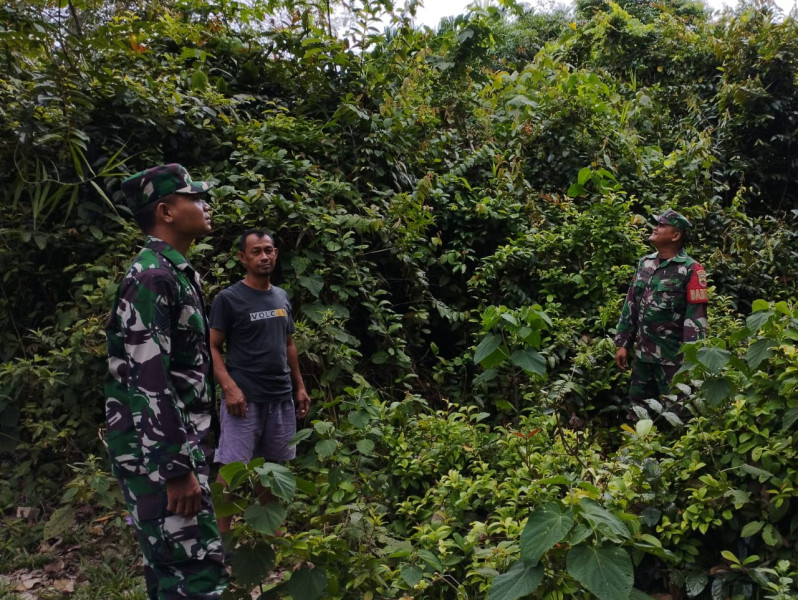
x=260, y=376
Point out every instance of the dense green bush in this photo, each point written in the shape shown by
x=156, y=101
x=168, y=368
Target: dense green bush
x=458, y=214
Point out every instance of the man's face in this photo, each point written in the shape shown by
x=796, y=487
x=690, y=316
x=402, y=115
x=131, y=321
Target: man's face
x=191, y=214
x=259, y=255
x=664, y=234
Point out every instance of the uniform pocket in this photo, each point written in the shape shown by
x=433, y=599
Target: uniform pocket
x=668, y=294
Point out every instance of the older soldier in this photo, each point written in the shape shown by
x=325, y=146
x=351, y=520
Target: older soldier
x=666, y=306
x=159, y=398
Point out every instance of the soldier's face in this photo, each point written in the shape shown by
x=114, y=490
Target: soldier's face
x=664, y=234
x=259, y=255
x=190, y=213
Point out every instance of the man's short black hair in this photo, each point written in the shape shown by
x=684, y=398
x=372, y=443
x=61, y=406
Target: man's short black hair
x=259, y=233
x=145, y=216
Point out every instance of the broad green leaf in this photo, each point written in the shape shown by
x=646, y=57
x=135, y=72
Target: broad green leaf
x=790, y=416
x=760, y=474
x=300, y=436
x=521, y=580
x=555, y=480
x=739, y=497
x=432, y=560
x=713, y=359
x=584, y=175
x=224, y=504
x=728, y=555
x=306, y=487
x=279, y=479
x=651, y=515
x=579, y=534
x=307, y=583
x=605, y=571
x=358, y=418
x=326, y=448
x=252, y=564
x=487, y=347
x=521, y=100
x=755, y=320
x=603, y=520
x=759, y=305
x=716, y=389
x=265, y=518
x=234, y=473
x=199, y=80
x=323, y=427
x=752, y=528
x=643, y=427
x=313, y=283
x=771, y=536
x=758, y=351
x=365, y=446
x=411, y=575
x=530, y=361
x=547, y=525
x=575, y=190
x=41, y=240
x=695, y=582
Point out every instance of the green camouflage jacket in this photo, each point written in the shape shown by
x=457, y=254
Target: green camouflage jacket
x=666, y=306
x=159, y=387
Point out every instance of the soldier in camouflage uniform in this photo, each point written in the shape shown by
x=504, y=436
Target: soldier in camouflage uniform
x=159, y=390
x=666, y=306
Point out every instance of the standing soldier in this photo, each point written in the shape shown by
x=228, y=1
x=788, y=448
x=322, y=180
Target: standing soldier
x=159, y=394
x=665, y=307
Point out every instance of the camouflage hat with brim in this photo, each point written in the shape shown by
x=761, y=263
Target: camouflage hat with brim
x=145, y=187
x=671, y=217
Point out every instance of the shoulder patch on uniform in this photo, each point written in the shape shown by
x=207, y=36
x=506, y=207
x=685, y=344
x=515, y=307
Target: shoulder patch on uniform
x=697, y=287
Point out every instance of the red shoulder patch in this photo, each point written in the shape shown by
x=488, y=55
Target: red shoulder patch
x=697, y=287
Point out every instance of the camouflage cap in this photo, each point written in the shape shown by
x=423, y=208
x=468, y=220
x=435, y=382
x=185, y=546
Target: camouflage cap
x=154, y=183
x=671, y=217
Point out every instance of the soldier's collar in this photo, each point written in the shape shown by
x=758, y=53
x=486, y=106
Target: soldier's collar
x=680, y=256
x=172, y=255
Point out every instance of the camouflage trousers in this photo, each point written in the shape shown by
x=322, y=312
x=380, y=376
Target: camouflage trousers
x=183, y=557
x=650, y=380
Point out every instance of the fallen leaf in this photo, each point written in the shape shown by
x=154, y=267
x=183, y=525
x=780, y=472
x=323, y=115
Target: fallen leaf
x=28, y=582
x=64, y=585
x=54, y=567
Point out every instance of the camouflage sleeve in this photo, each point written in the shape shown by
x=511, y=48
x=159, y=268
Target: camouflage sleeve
x=146, y=308
x=627, y=324
x=695, y=317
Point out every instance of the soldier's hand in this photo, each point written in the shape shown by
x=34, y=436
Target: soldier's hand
x=235, y=402
x=620, y=358
x=184, y=495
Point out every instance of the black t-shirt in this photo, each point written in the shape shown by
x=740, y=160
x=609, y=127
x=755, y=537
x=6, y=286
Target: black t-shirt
x=256, y=325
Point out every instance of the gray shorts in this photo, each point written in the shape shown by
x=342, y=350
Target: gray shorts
x=263, y=433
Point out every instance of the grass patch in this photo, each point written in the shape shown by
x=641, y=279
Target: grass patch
x=95, y=560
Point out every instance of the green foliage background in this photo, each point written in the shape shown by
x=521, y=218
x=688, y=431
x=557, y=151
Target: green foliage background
x=458, y=213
